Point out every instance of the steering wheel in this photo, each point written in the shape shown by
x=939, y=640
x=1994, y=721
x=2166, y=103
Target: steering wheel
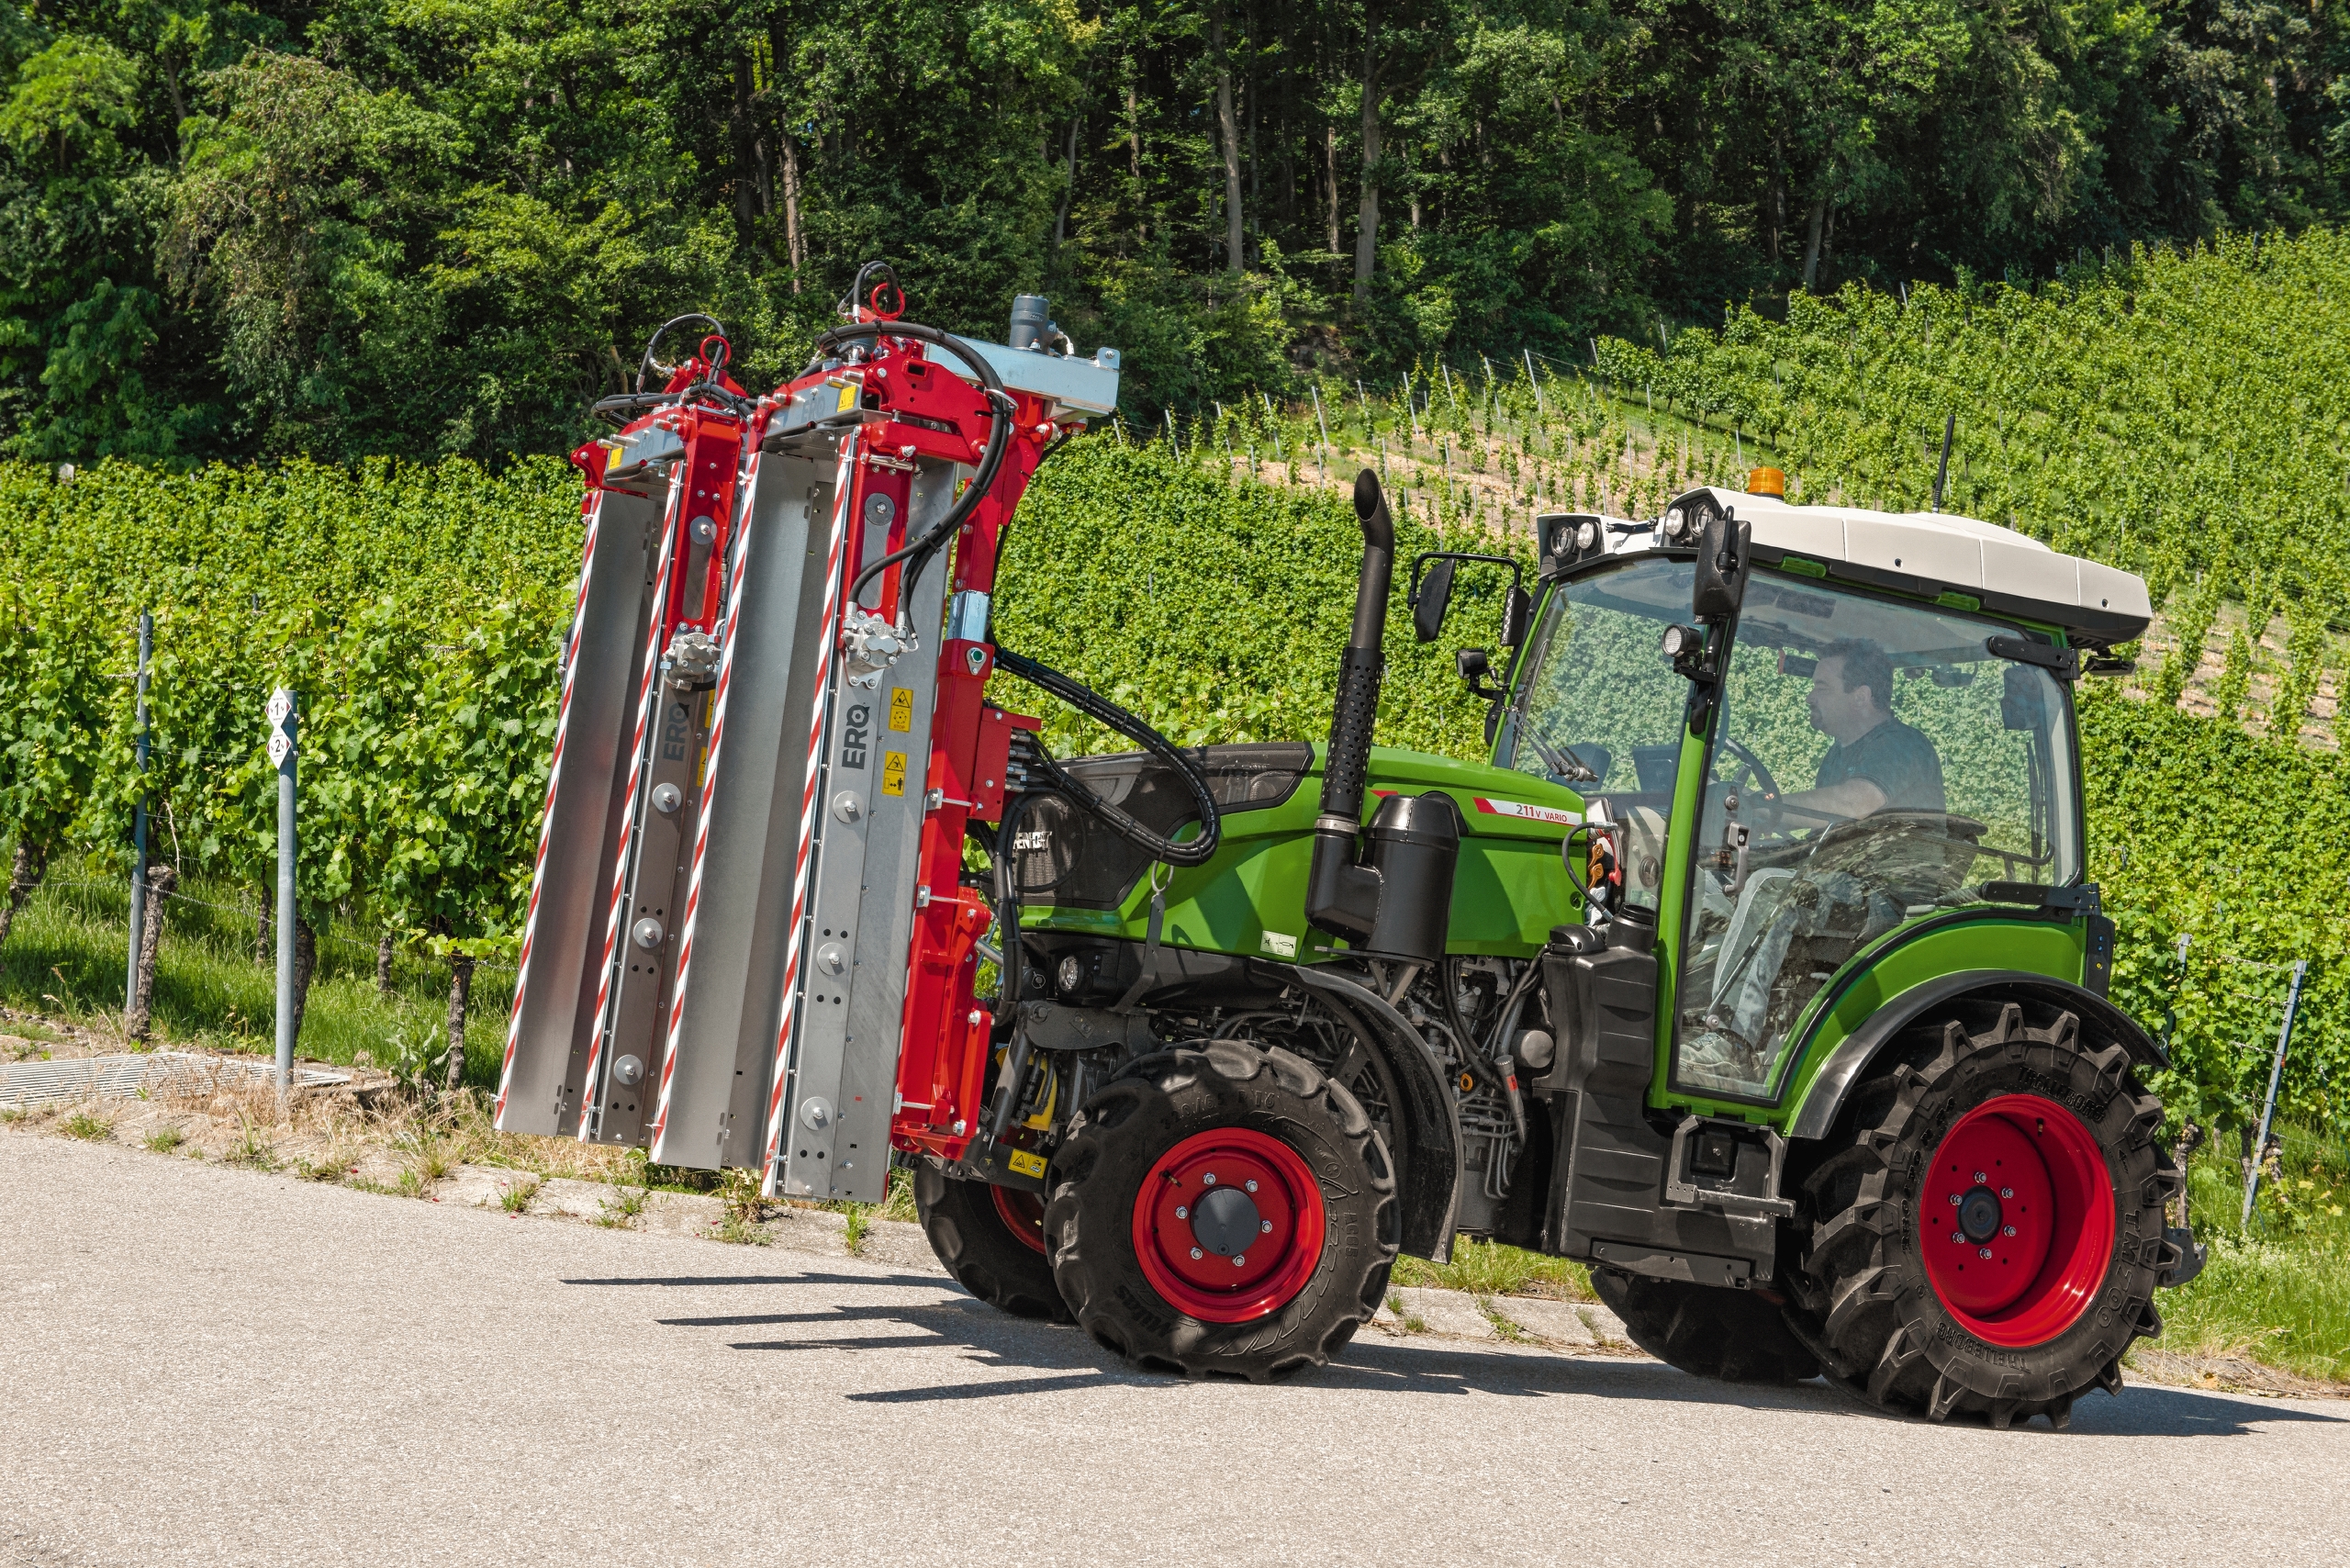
x=1750, y=767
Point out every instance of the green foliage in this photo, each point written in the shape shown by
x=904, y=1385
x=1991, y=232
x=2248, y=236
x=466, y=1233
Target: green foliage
x=1218, y=609
x=352, y=229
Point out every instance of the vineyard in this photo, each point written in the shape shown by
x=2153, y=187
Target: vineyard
x=1201, y=570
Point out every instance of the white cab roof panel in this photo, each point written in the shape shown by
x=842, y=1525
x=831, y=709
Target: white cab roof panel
x=2012, y=573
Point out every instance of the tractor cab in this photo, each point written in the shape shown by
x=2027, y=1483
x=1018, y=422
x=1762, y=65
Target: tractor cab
x=1877, y=737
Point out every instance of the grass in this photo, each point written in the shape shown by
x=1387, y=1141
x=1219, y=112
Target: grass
x=162, y=1140
x=87, y=1127
x=2277, y=1292
x=1491, y=1269
x=64, y=958
x=515, y=1196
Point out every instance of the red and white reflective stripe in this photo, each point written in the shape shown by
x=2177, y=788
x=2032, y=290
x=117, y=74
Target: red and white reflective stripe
x=1528, y=812
x=733, y=612
x=827, y=638
x=594, y=511
x=590, y=1092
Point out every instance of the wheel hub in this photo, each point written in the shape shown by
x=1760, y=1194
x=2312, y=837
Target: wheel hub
x=1979, y=1214
x=2017, y=1225
x=1224, y=1221
x=1229, y=1225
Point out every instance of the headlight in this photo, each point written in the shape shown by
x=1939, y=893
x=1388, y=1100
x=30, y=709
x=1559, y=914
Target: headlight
x=1587, y=536
x=1072, y=974
x=1680, y=640
x=1675, y=523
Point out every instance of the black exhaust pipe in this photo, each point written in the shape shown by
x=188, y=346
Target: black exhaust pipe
x=1341, y=897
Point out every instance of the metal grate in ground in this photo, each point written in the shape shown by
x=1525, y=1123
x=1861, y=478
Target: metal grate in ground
x=154, y=1074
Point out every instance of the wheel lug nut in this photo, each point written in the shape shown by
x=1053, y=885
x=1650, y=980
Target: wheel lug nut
x=1953, y=1200
x=1208, y=1180
x=1240, y=1260
x=1265, y=1226
x=1181, y=1212
x=1980, y=1178
x=1250, y=1186
x=2007, y=1192
x=2009, y=1231
x=1982, y=1253
x=1196, y=1253
x=1958, y=1239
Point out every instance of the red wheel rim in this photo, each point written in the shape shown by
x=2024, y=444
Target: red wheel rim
x=1229, y=1225
x=2016, y=1220
x=1023, y=1214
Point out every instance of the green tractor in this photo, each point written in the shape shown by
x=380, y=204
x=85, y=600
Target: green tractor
x=1755, y=968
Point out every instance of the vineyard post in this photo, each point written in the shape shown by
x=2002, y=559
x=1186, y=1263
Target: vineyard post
x=2268, y=1107
x=1323, y=421
x=1535, y=382
x=138, y=819
x=282, y=725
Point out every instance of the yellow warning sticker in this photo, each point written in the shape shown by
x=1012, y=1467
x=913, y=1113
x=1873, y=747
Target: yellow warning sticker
x=901, y=709
x=893, y=773
x=1025, y=1162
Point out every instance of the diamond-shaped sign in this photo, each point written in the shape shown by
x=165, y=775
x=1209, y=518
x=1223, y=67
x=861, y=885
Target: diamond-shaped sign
x=281, y=716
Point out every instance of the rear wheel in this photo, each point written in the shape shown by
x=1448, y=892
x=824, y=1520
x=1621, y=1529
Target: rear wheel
x=1987, y=1239
x=1735, y=1336
x=1223, y=1210
x=991, y=1240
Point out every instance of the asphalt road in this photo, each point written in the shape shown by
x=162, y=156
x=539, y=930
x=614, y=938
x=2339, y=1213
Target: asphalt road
x=206, y=1365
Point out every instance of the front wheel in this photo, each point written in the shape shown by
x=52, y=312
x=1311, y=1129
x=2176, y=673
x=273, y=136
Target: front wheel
x=1988, y=1239
x=991, y=1240
x=1223, y=1210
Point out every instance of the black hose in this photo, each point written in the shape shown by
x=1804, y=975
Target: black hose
x=1000, y=408
x=1094, y=706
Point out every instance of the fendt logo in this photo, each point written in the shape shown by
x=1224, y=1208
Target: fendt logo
x=853, y=735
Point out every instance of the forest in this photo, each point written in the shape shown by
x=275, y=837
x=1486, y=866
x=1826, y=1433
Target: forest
x=439, y=228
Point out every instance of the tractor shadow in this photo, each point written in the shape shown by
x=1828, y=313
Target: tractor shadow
x=1058, y=1357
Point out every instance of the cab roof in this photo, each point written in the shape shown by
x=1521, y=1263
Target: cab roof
x=1926, y=554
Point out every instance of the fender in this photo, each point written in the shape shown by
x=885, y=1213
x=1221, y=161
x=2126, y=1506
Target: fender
x=1815, y=1117
x=1429, y=1169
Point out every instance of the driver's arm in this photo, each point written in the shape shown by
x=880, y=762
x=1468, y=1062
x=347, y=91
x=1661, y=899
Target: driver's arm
x=1851, y=799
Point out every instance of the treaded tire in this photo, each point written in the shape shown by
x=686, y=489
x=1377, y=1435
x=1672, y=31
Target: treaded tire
x=1706, y=1330
x=1865, y=1299
x=969, y=1235
x=1116, y=1140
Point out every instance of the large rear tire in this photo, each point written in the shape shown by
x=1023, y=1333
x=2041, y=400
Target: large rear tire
x=1987, y=1236
x=1223, y=1210
x=991, y=1241
x=1706, y=1330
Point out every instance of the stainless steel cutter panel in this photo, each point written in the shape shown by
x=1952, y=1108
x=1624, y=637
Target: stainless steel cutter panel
x=546, y=1050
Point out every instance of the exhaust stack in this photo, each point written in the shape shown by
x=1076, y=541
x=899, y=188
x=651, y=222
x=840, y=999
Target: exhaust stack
x=1342, y=897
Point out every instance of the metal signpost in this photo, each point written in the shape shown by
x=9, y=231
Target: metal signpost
x=139, y=824
x=2269, y=1108
x=281, y=753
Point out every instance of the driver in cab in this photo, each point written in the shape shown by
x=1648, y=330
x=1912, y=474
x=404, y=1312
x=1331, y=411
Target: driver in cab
x=1875, y=763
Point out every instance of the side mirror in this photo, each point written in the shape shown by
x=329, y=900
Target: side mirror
x=1721, y=569
x=1517, y=611
x=1435, y=597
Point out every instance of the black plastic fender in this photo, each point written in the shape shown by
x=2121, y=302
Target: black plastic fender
x=1429, y=1169
x=1847, y=1063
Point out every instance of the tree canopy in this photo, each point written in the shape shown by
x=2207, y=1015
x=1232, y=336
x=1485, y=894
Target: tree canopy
x=431, y=227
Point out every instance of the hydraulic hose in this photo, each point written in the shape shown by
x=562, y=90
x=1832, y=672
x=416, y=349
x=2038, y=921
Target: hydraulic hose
x=1094, y=706
x=1000, y=408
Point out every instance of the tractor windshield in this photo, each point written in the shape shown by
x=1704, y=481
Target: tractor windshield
x=1875, y=761
x=1601, y=710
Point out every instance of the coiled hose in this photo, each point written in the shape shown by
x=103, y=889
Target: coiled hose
x=1094, y=706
